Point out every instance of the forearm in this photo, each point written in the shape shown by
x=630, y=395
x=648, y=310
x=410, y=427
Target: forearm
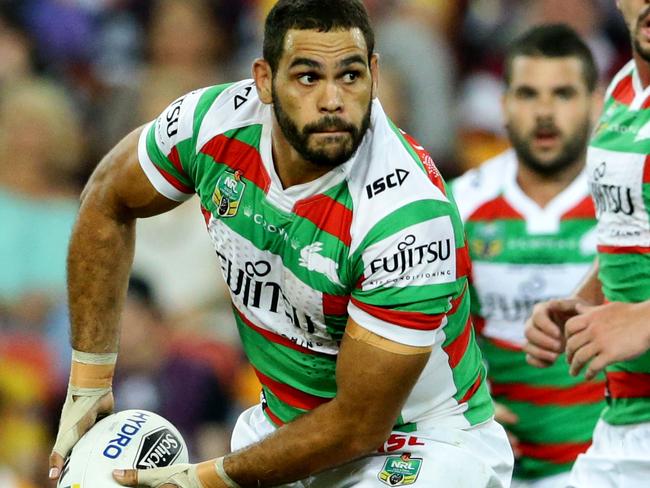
x=590, y=289
x=324, y=438
x=99, y=259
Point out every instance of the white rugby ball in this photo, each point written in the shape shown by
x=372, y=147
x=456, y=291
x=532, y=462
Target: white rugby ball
x=131, y=439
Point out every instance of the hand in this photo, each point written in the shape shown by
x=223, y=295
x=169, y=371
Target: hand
x=604, y=334
x=545, y=331
x=507, y=417
x=79, y=414
x=178, y=475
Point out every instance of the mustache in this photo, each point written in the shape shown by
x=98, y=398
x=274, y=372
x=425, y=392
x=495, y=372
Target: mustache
x=329, y=123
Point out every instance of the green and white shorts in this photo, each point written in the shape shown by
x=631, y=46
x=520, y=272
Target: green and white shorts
x=478, y=457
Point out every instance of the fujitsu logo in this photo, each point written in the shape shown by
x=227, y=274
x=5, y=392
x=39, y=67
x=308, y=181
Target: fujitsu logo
x=410, y=254
x=613, y=199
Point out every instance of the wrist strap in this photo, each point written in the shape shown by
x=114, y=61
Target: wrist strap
x=92, y=370
x=218, y=466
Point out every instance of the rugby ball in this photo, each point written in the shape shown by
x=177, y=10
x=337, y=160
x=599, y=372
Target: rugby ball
x=131, y=439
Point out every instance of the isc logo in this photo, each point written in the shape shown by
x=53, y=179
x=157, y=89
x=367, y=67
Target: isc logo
x=389, y=181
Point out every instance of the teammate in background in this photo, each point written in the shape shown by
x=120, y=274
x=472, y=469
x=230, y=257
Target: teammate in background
x=346, y=263
x=530, y=223
x=606, y=321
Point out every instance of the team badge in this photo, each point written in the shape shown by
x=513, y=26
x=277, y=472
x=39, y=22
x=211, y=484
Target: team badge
x=228, y=193
x=400, y=470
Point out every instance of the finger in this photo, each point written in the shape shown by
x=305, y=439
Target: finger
x=596, y=366
x=504, y=415
x=575, y=343
x=582, y=308
x=582, y=357
x=126, y=477
x=541, y=320
x=575, y=325
x=541, y=358
x=542, y=340
x=56, y=465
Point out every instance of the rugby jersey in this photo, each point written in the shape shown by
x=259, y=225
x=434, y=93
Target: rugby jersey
x=377, y=239
x=618, y=164
x=522, y=254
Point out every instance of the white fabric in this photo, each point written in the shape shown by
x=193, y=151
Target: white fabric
x=619, y=457
x=478, y=457
x=555, y=481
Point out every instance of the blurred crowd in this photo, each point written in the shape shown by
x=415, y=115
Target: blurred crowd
x=77, y=75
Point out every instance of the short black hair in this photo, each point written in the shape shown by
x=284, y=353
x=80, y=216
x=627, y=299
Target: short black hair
x=320, y=15
x=553, y=41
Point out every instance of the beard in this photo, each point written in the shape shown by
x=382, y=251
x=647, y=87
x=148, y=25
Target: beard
x=570, y=153
x=299, y=139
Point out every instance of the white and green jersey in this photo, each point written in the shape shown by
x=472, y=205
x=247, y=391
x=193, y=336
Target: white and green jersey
x=619, y=176
x=376, y=239
x=523, y=254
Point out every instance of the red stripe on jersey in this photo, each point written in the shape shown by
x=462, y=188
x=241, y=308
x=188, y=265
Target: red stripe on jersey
x=239, y=156
x=622, y=384
x=472, y=389
x=206, y=215
x=455, y=303
x=456, y=349
x=503, y=344
x=554, y=453
x=427, y=162
x=479, y=324
x=272, y=417
x=646, y=170
x=276, y=339
x=463, y=261
x=175, y=182
x=175, y=158
x=289, y=395
x=335, y=304
x=592, y=392
x=327, y=214
x=409, y=320
x=497, y=208
x=624, y=91
x=623, y=249
x=584, y=210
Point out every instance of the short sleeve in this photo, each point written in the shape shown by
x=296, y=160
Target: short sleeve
x=408, y=275
x=166, y=150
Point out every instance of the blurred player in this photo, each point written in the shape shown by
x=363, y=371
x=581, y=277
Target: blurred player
x=530, y=226
x=346, y=263
x=606, y=322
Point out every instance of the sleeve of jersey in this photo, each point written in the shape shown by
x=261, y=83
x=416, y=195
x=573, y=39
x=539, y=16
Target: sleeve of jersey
x=408, y=280
x=165, y=149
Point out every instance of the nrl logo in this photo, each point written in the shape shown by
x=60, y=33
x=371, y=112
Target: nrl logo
x=228, y=193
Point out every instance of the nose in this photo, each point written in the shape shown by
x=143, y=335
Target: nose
x=330, y=101
x=544, y=107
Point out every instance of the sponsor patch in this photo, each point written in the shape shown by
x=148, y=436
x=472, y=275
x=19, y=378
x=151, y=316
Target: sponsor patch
x=228, y=193
x=159, y=448
x=400, y=470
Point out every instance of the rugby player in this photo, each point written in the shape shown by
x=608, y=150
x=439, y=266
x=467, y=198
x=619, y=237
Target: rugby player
x=605, y=324
x=346, y=262
x=530, y=224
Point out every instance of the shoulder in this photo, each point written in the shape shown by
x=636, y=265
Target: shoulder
x=482, y=184
x=624, y=73
x=391, y=177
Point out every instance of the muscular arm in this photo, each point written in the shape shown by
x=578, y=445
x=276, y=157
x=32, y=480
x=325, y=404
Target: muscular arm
x=102, y=243
x=372, y=386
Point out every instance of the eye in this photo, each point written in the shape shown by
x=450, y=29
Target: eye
x=350, y=76
x=307, y=79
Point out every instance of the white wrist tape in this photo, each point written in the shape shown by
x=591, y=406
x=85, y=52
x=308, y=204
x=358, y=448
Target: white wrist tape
x=230, y=483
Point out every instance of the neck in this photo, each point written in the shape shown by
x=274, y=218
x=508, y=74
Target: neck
x=643, y=69
x=544, y=188
x=290, y=166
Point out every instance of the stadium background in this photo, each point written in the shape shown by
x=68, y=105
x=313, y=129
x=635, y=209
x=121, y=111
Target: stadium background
x=76, y=75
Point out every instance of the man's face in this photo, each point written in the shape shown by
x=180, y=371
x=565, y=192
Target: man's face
x=322, y=92
x=548, y=112
x=636, y=14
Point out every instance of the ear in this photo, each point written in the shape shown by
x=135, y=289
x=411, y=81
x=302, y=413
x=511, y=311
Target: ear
x=374, y=71
x=263, y=77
